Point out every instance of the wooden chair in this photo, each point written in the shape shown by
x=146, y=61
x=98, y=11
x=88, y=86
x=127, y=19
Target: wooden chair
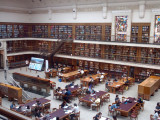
x=27, y=101
x=110, y=112
x=97, y=106
x=151, y=117
x=77, y=116
x=46, y=107
x=54, y=109
x=134, y=116
x=123, y=99
x=121, y=90
x=55, y=94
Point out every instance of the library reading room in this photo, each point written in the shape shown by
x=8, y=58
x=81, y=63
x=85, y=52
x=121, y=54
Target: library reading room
x=79, y=59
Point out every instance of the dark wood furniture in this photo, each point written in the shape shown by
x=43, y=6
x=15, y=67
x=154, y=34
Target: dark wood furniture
x=88, y=98
x=32, y=81
x=72, y=75
x=51, y=73
x=61, y=113
x=125, y=108
x=12, y=115
x=96, y=78
x=11, y=91
x=148, y=87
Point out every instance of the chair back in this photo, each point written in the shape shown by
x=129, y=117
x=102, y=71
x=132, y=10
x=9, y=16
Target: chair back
x=151, y=117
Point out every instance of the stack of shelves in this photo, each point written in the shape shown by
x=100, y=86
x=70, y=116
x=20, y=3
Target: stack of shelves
x=40, y=31
x=61, y=31
x=91, y=66
x=106, y=67
x=86, y=54
x=92, y=52
x=86, y=66
x=81, y=63
x=97, y=51
x=66, y=49
x=112, y=53
x=125, y=54
x=157, y=56
x=134, y=34
x=107, y=52
x=18, y=31
x=118, y=52
x=88, y=32
x=108, y=33
x=144, y=55
x=6, y=31
x=96, y=65
x=145, y=34
x=132, y=54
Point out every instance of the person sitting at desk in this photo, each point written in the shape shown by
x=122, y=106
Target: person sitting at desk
x=64, y=103
x=72, y=84
x=90, y=84
x=155, y=116
x=113, y=107
x=117, y=99
x=38, y=103
x=98, y=72
x=158, y=108
x=101, y=78
x=88, y=92
x=67, y=95
x=28, y=109
x=58, y=89
x=74, y=111
x=82, y=72
x=115, y=80
x=97, y=101
x=38, y=112
x=140, y=100
x=12, y=106
x=98, y=116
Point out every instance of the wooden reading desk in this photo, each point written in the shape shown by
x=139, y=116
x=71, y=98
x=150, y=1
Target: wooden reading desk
x=11, y=91
x=148, y=87
x=32, y=81
x=96, y=77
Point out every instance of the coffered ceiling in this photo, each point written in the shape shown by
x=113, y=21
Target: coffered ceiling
x=26, y=5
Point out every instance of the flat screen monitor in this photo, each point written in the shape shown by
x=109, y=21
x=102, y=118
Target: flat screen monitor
x=36, y=63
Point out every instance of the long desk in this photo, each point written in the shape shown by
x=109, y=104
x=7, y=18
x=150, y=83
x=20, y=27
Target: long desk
x=95, y=77
x=12, y=115
x=66, y=69
x=32, y=81
x=11, y=91
x=148, y=87
x=33, y=102
x=74, y=90
x=116, y=85
x=126, y=108
x=88, y=98
x=72, y=75
x=61, y=113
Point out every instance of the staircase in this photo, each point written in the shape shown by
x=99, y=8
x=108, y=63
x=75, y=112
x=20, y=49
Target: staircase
x=25, y=96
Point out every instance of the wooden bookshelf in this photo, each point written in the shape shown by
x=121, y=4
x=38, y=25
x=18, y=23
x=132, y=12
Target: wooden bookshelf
x=40, y=31
x=140, y=32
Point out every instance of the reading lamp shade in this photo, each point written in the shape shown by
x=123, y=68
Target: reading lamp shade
x=74, y=13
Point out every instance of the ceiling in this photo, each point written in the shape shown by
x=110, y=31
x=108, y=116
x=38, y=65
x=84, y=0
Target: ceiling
x=63, y=4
